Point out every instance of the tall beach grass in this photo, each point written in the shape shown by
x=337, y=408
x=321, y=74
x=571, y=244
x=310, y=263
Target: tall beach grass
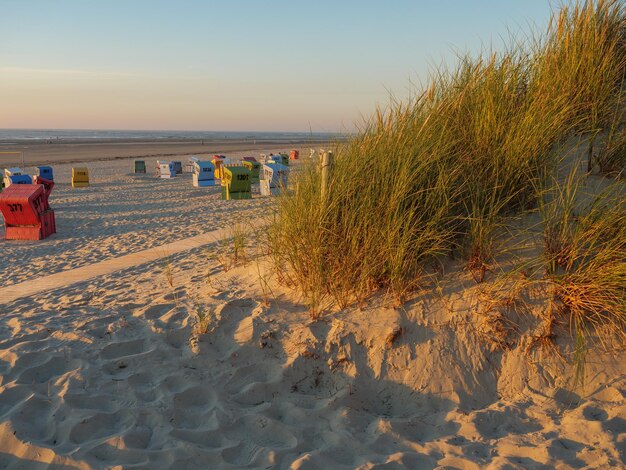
x=439, y=175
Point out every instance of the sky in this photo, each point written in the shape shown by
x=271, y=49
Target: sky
x=233, y=65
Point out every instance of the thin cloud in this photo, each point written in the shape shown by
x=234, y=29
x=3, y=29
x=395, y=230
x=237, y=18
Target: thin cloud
x=79, y=72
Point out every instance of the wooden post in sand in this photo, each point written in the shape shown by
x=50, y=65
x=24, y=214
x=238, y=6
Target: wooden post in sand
x=327, y=166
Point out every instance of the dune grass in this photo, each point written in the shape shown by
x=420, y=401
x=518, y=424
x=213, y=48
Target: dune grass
x=203, y=317
x=611, y=158
x=583, y=264
x=585, y=254
x=231, y=250
x=439, y=175
x=582, y=59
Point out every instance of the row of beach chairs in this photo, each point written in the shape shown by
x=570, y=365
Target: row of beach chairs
x=236, y=179
x=80, y=176
x=28, y=215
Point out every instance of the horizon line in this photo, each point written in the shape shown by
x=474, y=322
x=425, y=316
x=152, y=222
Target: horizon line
x=162, y=130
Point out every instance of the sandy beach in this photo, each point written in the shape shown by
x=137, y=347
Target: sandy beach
x=110, y=374
x=428, y=272
x=119, y=213
x=118, y=371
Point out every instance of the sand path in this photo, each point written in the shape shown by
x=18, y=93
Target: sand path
x=73, y=276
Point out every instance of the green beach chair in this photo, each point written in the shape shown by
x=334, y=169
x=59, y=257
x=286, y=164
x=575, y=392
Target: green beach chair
x=255, y=168
x=236, y=183
x=140, y=166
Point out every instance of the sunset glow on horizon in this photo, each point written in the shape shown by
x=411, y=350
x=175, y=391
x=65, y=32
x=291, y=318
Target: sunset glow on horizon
x=240, y=65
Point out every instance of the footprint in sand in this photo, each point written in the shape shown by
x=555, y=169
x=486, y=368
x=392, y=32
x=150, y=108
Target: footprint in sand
x=343, y=453
x=28, y=360
x=241, y=454
x=197, y=397
x=172, y=318
x=54, y=367
x=178, y=337
x=156, y=311
x=143, y=381
x=12, y=397
x=102, y=403
x=289, y=414
x=129, y=307
x=34, y=419
x=256, y=434
x=262, y=431
x=205, y=438
x=101, y=425
x=193, y=408
x=123, y=349
x=256, y=394
x=193, y=418
x=308, y=402
x=113, y=451
x=26, y=339
x=593, y=413
x=492, y=424
x=177, y=295
x=248, y=375
x=99, y=327
x=617, y=426
x=138, y=437
x=176, y=383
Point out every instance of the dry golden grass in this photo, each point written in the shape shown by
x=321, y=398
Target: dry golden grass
x=442, y=174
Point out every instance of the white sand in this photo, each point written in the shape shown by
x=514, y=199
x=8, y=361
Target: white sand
x=110, y=373
x=119, y=213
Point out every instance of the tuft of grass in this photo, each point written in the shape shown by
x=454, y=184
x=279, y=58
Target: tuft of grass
x=169, y=273
x=203, y=319
x=558, y=209
x=239, y=241
x=264, y=283
x=585, y=260
x=485, y=225
x=231, y=250
x=582, y=59
x=222, y=258
x=611, y=158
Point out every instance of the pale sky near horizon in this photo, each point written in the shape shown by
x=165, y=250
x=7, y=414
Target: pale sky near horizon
x=248, y=65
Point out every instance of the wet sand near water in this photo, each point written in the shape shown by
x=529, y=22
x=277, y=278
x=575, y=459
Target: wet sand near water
x=39, y=153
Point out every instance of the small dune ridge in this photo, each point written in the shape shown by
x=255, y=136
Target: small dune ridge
x=130, y=384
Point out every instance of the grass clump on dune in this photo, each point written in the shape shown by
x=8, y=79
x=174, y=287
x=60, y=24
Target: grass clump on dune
x=582, y=59
x=440, y=175
x=611, y=158
x=592, y=283
x=584, y=263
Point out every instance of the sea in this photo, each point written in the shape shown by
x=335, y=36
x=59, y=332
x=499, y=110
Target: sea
x=22, y=135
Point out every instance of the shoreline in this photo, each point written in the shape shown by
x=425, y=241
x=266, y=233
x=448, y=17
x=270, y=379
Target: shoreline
x=75, y=151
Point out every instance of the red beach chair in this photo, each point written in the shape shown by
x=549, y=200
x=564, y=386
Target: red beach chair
x=26, y=211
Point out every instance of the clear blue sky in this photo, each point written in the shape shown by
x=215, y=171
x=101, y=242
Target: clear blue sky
x=231, y=64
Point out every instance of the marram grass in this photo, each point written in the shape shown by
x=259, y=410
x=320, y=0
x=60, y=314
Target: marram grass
x=439, y=175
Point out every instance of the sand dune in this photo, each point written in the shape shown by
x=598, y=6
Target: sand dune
x=114, y=373
x=110, y=373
